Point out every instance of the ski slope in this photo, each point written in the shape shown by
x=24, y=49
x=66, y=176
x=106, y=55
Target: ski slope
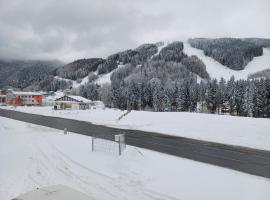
x=75, y=84
x=104, y=78
x=101, y=80
x=234, y=130
x=217, y=70
x=33, y=156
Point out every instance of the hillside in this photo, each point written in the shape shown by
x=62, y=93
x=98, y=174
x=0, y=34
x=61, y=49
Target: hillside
x=217, y=70
x=140, y=56
x=231, y=52
x=261, y=74
x=79, y=68
x=22, y=74
x=238, y=57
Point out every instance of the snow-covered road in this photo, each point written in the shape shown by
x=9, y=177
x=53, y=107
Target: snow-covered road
x=240, y=131
x=33, y=156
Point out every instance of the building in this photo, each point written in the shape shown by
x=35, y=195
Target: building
x=55, y=192
x=24, y=98
x=3, y=97
x=72, y=102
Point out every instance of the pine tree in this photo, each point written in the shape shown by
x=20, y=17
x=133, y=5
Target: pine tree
x=248, y=105
x=230, y=94
x=259, y=98
x=221, y=94
x=239, y=96
x=211, y=97
x=267, y=96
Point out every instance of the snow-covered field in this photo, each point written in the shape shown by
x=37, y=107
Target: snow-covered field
x=217, y=70
x=242, y=131
x=33, y=156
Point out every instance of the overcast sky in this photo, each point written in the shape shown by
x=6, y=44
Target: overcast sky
x=73, y=29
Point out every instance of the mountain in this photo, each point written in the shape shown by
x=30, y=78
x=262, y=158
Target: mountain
x=21, y=74
x=82, y=67
x=216, y=70
x=197, y=76
x=234, y=56
x=79, y=68
x=141, y=55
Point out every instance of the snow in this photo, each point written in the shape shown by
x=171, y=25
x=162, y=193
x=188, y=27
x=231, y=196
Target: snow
x=50, y=100
x=160, y=46
x=55, y=96
x=79, y=98
x=101, y=80
x=34, y=156
x=106, y=78
x=65, y=79
x=55, y=192
x=217, y=70
x=234, y=130
x=74, y=83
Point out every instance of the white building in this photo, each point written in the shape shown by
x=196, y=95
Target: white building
x=72, y=102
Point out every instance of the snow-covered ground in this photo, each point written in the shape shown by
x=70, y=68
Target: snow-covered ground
x=101, y=80
x=33, y=156
x=217, y=70
x=242, y=131
x=104, y=78
x=74, y=83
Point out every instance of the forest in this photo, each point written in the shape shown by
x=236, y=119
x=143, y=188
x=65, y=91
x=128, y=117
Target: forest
x=170, y=86
x=231, y=52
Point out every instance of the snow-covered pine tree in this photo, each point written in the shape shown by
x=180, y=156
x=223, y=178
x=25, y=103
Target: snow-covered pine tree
x=248, y=100
x=239, y=96
x=230, y=94
x=267, y=96
x=221, y=94
x=211, y=97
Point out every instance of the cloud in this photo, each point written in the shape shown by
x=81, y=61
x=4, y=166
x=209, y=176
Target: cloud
x=68, y=30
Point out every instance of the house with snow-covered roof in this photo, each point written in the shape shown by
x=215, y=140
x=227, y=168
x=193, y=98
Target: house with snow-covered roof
x=72, y=102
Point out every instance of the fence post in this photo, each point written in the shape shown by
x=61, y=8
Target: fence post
x=92, y=143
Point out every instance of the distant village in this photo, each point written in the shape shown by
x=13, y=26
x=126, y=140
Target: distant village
x=58, y=100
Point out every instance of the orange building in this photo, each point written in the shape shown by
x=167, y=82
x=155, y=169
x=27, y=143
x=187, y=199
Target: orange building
x=24, y=98
x=3, y=96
